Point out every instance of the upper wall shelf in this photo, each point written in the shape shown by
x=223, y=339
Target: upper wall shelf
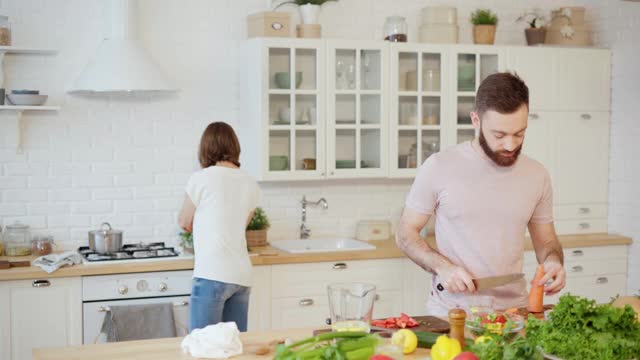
x=22, y=108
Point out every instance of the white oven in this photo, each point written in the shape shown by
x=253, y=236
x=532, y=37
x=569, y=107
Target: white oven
x=101, y=292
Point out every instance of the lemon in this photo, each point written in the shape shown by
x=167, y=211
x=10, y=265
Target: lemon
x=406, y=339
x=482, y=339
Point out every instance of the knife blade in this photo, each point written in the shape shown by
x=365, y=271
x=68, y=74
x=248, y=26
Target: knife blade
x=492, y=281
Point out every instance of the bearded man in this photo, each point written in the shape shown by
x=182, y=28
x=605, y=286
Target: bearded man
x=484, y=193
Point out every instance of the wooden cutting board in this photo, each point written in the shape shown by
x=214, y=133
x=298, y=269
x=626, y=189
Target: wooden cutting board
x=522, y=311
x=427, y=323
x=5, y=264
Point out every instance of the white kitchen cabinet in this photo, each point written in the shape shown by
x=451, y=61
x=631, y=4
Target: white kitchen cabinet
x=357, y=124
x=416, y=285
x=536, y=144
x=39, y=313
x=581, y=151
x=282, y=127
x=259, y=317
x=598, y=273
x=583, y=80
x=563, y=79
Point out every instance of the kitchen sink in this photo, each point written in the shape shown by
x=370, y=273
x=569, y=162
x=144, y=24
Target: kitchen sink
x=320, y=245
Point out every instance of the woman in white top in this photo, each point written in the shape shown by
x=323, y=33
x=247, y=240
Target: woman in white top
x=219, y=203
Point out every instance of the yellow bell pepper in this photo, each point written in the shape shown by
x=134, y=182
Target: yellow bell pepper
x=445, y=348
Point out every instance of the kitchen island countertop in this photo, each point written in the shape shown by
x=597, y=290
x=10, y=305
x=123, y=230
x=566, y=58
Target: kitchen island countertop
x=169, y=349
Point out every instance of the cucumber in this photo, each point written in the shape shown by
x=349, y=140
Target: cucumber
x=426, y=339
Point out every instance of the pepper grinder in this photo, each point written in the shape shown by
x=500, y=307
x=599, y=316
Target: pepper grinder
x=457, y=318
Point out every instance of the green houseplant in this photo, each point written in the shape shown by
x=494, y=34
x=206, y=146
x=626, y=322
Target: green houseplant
x=309, y=9
x=484, y=26
x=186, y=241
x=257, y=229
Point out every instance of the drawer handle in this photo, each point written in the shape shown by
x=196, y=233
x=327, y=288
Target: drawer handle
x=584, y=225
x=40, y=283
x=586, y=116
x=306, y=302
x=602, y=280
x=584, y=210
x=339, y=266
x=534, y=116
x=181, y=303
x=377, y=297
x=577, y=268
x=578, y=253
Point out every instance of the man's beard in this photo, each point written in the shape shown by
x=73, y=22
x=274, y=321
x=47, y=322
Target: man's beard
x=501, y=158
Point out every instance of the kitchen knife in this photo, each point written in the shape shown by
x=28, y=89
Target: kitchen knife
x=492, y=281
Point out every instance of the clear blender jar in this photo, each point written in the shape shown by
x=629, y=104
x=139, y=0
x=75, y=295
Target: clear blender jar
x=351, y=306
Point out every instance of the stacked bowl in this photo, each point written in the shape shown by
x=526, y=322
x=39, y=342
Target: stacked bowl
x=439, y=25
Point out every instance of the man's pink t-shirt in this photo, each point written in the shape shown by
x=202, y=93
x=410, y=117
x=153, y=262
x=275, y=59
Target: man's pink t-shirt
x=481, y=212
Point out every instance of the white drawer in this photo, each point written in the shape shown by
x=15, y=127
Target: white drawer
x=600, y=288
x=580, y=211
x=581, y=226
x=293, y=280
x=572, y=256
x=291, y=313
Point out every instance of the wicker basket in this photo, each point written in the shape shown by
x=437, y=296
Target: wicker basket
x=256, y=238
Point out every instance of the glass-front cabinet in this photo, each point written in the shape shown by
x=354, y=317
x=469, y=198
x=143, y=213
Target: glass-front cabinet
x=418, y=95
x=290, y=114
x=471, y=65
x=356, y=109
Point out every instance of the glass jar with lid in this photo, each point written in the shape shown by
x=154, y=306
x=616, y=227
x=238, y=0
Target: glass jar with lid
x=395, y=29
x=42, y=245
x=17, y=239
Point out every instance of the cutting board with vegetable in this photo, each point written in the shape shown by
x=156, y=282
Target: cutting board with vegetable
x=417, y=323
x=5, y=264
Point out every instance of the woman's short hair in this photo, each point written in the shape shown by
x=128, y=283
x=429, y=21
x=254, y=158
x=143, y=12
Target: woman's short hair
x=219, y=143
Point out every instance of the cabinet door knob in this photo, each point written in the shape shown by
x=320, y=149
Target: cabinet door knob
x=577, y=252
x=534, y=116
x=123, y=289
x=306, y=302
x=377, y=297
x=577, y=268
x=586, y=116
x=40, y=283
x=584, y=225
x=584, y=210
x=339, y=266
x=602, y=280
x=163, y=287
x=181, y=303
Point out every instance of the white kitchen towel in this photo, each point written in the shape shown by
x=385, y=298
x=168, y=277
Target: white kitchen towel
x=53, y=262
x=219, y=341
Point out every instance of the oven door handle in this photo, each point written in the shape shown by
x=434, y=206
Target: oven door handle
x=180, y=303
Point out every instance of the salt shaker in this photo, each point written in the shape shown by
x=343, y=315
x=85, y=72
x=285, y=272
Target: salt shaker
x=457, y=318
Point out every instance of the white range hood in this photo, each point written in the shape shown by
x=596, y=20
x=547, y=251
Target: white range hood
x=122, y=64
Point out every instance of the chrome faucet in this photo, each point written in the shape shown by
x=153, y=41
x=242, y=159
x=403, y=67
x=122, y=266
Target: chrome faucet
x=305, y=232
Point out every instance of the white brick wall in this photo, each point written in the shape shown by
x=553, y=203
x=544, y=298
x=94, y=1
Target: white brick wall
x=126, y=160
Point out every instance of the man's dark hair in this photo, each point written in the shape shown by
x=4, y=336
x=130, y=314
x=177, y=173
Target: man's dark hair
x=502, y=92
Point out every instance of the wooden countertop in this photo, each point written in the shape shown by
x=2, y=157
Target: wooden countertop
x=169, y=349
x=270, y=256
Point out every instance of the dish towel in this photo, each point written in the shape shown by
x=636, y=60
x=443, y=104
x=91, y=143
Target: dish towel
x=219, y=341
x=53, y=262
x=139, y=322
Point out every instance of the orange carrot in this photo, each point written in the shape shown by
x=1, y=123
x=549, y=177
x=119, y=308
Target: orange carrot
x=536, y=295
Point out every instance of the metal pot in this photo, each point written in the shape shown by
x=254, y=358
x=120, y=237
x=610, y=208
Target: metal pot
x=106, y=240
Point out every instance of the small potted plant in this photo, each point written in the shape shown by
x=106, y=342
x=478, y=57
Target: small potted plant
x=257, y=229
x=309, y=9
x=537, y=30
x=186, y=241
x=484, y=26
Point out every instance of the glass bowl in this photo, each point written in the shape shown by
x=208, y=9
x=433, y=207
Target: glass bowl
x=488, y=322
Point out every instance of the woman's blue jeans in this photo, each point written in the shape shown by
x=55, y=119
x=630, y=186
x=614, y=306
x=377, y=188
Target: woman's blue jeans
x=214, y=301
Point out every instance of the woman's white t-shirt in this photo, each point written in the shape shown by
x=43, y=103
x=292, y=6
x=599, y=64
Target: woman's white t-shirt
x=223, y=197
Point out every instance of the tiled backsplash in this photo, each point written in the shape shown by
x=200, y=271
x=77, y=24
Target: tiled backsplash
x=126, y=160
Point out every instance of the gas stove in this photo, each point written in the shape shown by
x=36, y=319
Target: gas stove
x=130, y=252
